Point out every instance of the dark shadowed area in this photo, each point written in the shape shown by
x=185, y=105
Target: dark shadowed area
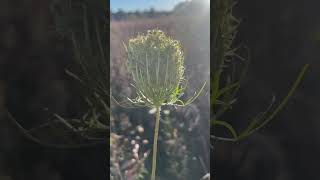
x=33, y=86
x=282, y=37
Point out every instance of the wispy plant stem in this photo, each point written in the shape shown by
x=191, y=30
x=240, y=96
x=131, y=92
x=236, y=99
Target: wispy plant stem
x=155, y=143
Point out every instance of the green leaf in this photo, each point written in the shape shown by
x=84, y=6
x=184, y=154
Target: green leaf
x=226, y=125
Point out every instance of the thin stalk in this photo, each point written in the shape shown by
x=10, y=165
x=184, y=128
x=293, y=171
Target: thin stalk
x=155, y=144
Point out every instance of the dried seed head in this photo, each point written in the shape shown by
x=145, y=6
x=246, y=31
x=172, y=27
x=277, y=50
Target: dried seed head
x=137, y=146
x=133, y=142
x=140, y=129
x=145, y=141
x=156, y=63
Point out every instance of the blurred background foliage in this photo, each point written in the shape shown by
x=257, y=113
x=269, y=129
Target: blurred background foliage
x=229, y=70
x=36, y=50
x=277, y=46
x=228, y=73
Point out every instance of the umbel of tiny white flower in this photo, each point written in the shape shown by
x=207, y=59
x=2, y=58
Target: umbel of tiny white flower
x=156, y=63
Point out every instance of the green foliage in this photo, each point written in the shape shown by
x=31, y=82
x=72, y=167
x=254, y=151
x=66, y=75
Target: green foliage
x=81, y=23
x=226, y=78
x=227, y=74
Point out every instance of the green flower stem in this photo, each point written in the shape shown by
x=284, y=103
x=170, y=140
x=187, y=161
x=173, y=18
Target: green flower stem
x=155, y=143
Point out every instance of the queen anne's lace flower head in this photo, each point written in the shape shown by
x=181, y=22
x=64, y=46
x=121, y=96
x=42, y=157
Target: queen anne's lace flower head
x=156, y=63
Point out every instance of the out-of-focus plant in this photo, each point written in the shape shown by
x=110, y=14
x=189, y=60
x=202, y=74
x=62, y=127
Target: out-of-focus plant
x=177, y=132
x=125, y=167
x=227, y=75
x=126, y=159
x=156, y=63
x=83, y=24
x=78, y=22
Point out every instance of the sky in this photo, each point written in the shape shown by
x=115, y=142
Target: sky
x=132, y=5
